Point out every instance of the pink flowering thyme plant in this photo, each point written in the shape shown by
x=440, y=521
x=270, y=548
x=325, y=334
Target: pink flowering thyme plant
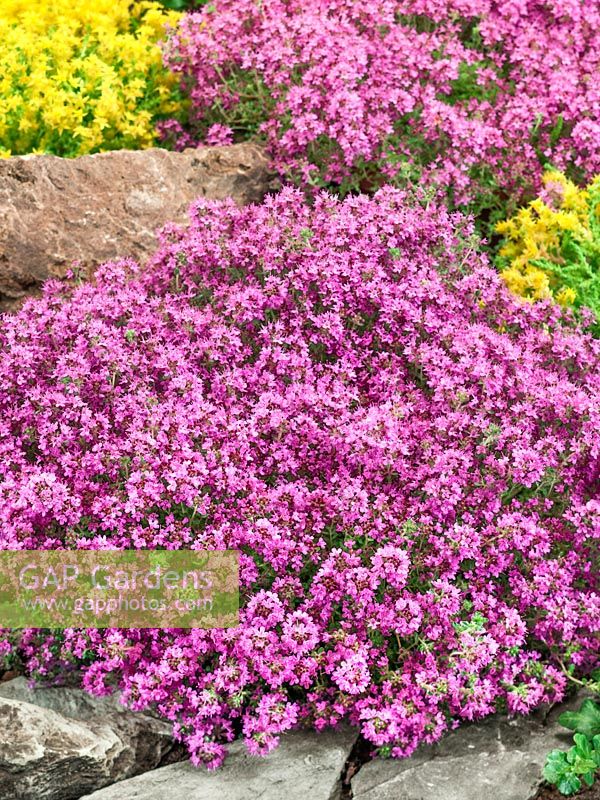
x=473, y=96
x=405, y=455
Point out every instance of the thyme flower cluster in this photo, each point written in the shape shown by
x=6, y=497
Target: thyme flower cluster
x=404, y=453
x=472, y=96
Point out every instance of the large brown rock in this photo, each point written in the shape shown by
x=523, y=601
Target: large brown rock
x=54, y=211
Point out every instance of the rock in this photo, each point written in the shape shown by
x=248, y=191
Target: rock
x=69, y=702
x=58, y=743
x=45, y=756
x=305, y=766
x=91, y=209
x=499, y=758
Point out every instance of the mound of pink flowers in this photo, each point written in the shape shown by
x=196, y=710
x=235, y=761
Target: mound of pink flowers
x=475, y=95
x=406, y=457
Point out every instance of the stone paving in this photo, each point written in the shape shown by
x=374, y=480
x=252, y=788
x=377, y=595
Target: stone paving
x=305, y=766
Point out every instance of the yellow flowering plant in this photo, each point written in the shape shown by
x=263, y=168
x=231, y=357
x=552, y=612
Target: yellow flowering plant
x=551, y=248
x=81, y=76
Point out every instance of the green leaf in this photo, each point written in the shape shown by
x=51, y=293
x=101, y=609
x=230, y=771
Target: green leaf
x=569, y=784
x=555, y=767
x=539, y=118
x=586, y=720
x=556, y=130
x=567, y=770
x=583, y=746
x=588, y=778
x=584, y=766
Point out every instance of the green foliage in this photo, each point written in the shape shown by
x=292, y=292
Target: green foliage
x=585, y=721
x=183, y=5
x=570, y=770
x=468, y=86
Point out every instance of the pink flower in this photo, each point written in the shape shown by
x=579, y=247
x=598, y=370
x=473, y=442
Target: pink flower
x=405, y=455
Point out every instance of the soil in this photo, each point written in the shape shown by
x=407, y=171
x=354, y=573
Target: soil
x=550, y=793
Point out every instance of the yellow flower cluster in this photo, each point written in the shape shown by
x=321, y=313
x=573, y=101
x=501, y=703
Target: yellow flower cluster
x=542, y=238
x=80, y=76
